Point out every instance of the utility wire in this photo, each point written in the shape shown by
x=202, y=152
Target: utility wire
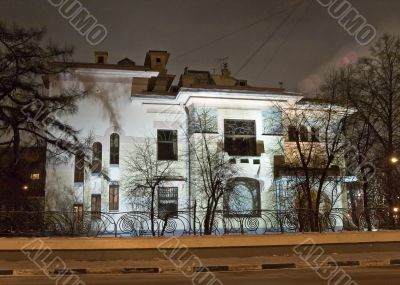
x=269, y=37
x=268, y=17
x=288, y=34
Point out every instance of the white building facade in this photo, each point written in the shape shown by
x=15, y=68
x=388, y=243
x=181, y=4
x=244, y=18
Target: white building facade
x=129, y=104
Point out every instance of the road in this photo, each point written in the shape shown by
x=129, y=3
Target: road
x=362, y=276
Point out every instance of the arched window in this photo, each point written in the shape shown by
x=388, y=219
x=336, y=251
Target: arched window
x=243, y=197
x=114, y=149
x=97, y=157
x=79, y=167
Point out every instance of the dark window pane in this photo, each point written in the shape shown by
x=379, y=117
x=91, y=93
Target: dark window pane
x=78, y=214
x=114, y=198
x=79, y=167
x=292, y=134
x=303, y=134
x=167, y=145
x=167, y=202
x=97, y=157
x=240, y=137
x=96, y=205
x=114, y=149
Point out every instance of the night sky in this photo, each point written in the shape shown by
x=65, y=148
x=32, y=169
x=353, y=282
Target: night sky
x=300, y=44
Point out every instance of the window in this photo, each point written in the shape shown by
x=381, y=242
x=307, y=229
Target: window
x=272, y=122
x=240, y=137
x=97, y=157
x=78, y=213
x=35, y=176
x=167, y=145
x=292, y=133
x=113, y=197
x=242, y=197
x=203, y=120
x=314, y=134
x=303, y=134
x=158, y=60
x=79, y=167
x=114, y=149
x=100, y=59
x=167, y=202
x=96, y=205
x=242, y=83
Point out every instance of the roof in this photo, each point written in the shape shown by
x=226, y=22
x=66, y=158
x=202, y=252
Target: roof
x=102, y=66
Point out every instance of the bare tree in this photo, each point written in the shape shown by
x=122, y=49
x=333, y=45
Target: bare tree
x=377, y=99
x=372, y=87
x=313, y=151
x=144, y=174
x=211, y=169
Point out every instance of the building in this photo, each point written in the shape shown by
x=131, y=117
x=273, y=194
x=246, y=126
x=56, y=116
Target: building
x=129, y=103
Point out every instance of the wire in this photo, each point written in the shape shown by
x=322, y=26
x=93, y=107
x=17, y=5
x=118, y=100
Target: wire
x=269, y=37
x=288, y=34
x=228, y=35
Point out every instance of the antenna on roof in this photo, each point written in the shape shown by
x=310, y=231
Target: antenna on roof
x=223, y=62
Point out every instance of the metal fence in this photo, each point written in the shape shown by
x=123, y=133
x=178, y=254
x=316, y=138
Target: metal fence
x=135, y=224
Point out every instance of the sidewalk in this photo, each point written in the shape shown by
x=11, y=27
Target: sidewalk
x=370, y=259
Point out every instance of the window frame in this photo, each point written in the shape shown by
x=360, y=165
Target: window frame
x=256, y=202
x=95, y=208
x=114, y=148
x=248, y=139
x=79, y=170
x=161, y=202
x=112, y=204
x=97, y=157
x=173, y=142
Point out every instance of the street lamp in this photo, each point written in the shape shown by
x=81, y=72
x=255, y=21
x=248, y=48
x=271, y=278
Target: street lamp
x=394, y=159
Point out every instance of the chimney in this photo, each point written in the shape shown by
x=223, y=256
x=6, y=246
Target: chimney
x=101, y=57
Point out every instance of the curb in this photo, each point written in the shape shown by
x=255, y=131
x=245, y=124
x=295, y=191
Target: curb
x=220, y=268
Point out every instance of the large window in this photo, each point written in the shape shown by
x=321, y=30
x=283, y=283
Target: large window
x=167, y=145
x=240, y=137
x=114, y=149
x=113, y=197
x=79, y=167
x=242, y=197
x=97, y=157
x=167, y=202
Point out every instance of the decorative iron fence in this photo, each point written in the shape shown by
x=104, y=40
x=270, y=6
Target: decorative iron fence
x=136, y=224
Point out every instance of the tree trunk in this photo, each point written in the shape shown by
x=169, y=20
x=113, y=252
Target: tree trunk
x=152, y=212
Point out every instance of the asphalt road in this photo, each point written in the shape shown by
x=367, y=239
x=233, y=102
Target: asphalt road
x=362, y=276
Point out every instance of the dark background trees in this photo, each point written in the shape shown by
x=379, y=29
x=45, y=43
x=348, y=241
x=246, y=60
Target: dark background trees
x=29, y=116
